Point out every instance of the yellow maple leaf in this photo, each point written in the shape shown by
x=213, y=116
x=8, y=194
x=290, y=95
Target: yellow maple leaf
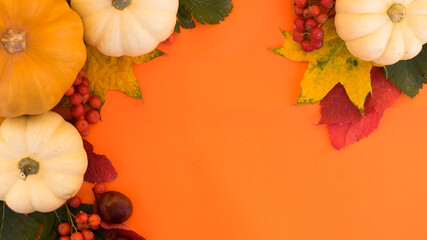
x=115, y=73
x=330, y=65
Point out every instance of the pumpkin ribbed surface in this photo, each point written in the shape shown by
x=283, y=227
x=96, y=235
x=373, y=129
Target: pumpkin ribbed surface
x=126, y=27
x=42, y=162
x=41, y=53
x=383, y=31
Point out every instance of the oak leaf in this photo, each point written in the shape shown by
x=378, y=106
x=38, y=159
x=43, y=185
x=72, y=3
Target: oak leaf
x=114, y=73
x=409, y=75
x=330, y=65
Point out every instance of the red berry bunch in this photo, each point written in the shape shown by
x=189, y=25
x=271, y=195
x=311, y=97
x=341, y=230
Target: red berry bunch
x=80, y=226
x=311, y=14
x=84, y=106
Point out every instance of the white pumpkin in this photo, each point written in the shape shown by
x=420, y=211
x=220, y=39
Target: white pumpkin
x=383, y=31
x=42, y=162
x=126, y=27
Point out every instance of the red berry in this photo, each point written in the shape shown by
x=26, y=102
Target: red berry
x=82, y=226
x=82, y=73
x=64, y=238
x=92, y=116
x=310, y=24
x=317, y=34
x=314, y=10
x=294, y=2
x=77, y=111
x=83, y=89
x=81, y=217
x=84, y=134
x=298, y=11
x=76, y=98
x=76, y=236
x=301, y=3
x=306, y=46
x=306, y=13
x=95, y=102
x=85, y=98
x=88, y=234
x=78, y=118
x=85, y=82
x=82, y=125
x=327, y=4
x=78, y=81
x=100, y=188
x=64, y=228
x=322, y=18
x=74, y=202
x=297, y=36
x=94, y=221
x=299, y=24
x=316, y=44
x=69, y=91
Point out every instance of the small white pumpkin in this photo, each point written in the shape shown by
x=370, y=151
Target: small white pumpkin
x=382, y=31
x=42, y=162
x=126, y=27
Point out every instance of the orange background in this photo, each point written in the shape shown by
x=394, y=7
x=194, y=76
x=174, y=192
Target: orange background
x=219, y=150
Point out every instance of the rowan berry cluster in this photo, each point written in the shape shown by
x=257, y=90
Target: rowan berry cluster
x=79, y=226
x=84, y=107
x=311, y=15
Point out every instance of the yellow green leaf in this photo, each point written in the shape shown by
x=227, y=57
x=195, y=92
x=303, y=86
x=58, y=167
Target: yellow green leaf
x=114, y=73
x=330, y=65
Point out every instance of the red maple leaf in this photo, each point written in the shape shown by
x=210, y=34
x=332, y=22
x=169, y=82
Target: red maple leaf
x=345, y=122
x=99, y=168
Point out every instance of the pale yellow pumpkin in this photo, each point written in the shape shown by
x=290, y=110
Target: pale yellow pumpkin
x=126, y=27
x=41, y=53
x=382, y=31
x=42, y=162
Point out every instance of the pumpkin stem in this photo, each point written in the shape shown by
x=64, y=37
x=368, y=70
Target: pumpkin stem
x=397, y=12
x=14, y=41
x=121, y=4
x=28, y=166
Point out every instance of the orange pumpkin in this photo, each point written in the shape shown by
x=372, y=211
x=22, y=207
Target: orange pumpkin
x=41, y=53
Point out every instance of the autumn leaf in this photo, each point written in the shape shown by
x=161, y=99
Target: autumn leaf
x=100, y=168
x=114, y=73
x=115, y=230
x=202, y=11
x=330, y=65
x=1, y=120
x=409, y=75
x=345, y=122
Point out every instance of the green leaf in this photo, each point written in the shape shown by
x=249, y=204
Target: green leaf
x=203, y=11
x=15, y=226
x=50, y=222
x=409, y=75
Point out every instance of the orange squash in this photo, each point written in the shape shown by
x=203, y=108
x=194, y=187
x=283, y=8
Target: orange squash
x=41, y=53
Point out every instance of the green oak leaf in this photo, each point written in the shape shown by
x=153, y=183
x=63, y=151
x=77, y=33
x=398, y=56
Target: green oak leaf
x=409, y=75
x=50, y=222
x=202, y=11
x=15, y=226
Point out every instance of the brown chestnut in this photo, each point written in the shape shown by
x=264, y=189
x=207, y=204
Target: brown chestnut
x=114, y=207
